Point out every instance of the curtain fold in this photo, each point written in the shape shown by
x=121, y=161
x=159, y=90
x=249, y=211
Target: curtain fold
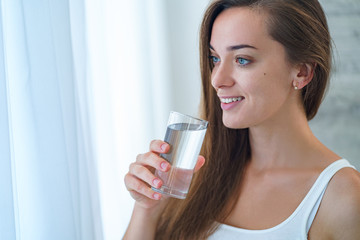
x=47, y=158
x=7, y=209
x=129, y=67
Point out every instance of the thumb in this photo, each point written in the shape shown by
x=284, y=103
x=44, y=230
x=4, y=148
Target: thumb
x=200, y=163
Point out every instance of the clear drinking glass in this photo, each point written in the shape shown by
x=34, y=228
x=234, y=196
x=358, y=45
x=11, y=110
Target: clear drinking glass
x=185, y=135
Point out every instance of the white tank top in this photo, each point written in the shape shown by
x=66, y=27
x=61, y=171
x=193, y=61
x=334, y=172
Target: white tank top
x=295, y=227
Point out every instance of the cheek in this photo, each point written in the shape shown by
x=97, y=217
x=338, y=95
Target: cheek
x=255, y=84
x=272, y=80
x=266, y=92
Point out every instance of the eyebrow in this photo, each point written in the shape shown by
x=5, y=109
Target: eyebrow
x=235, y=47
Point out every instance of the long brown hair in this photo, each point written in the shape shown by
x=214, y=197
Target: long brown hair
x=301, y=27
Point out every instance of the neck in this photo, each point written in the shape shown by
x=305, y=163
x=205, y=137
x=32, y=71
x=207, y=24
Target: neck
x=284, y=142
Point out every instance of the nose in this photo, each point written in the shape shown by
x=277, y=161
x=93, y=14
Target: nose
x=221, y=76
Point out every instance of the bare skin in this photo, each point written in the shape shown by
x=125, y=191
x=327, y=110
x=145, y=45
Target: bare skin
x=286, y=157
x=149, y=204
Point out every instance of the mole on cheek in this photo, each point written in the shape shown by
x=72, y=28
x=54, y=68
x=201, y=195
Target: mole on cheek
x=264, y=74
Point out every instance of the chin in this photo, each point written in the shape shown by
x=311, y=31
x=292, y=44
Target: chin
x=234, y=123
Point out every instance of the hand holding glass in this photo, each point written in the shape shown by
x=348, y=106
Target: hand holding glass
x=185, y=135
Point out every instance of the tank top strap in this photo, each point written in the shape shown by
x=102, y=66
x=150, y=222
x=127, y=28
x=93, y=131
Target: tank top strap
x=298, y=224
x=316, y=193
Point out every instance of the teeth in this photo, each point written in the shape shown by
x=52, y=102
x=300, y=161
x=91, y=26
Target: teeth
x=230, y=100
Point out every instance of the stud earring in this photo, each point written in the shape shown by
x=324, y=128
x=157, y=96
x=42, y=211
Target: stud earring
x=296, y=86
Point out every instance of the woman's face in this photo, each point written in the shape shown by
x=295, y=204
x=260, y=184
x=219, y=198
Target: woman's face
x=251, y=74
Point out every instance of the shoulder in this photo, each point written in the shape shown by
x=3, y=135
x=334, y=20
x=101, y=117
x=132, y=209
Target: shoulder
x=340, y=207
x=344, y=187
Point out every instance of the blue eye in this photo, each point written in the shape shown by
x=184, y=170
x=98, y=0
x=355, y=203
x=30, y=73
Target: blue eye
x=214, y=59
x=242, y=61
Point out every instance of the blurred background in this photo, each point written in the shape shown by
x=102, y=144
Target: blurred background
x=85, y=86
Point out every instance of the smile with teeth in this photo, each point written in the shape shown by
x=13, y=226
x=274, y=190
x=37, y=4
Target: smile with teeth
x=230, y=100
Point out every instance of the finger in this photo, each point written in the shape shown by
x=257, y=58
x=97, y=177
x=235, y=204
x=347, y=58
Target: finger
x=153, y=160
x=143, y=201
x=159, y=146
x=137, y=196
x=134, y=184
x=144, y=174
x=200, y=163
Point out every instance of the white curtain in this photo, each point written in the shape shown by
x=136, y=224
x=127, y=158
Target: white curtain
x=48, y=178
x=84, y=87
x=128, y=42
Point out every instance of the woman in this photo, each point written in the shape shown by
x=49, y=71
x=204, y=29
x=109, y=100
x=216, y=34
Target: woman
x=265, y=66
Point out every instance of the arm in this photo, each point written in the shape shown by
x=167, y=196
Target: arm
x=149, y=204
x=346, y=215
x=143, y=223
x=338, y=217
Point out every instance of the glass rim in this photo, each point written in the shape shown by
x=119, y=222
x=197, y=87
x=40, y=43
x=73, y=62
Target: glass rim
x=189, y=116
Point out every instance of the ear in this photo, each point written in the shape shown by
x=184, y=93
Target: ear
x=304, y=73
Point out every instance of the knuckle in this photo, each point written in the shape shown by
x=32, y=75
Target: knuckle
x=138, y=187
x=153, y=142
x=146, y=175
x=138, y=171
x=148, y=158
x=139, y=157
x=129, y=181
x=155, y=145
x=126, y=178
x=132, y=166
x=148, y=155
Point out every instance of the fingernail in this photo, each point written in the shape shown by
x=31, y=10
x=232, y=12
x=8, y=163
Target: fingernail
x=163, y=146
x=164, y=165
x=156, y=196
x=156, y=182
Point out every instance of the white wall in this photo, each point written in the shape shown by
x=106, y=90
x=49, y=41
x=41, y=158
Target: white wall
x=184, y=18
x=337, y=123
